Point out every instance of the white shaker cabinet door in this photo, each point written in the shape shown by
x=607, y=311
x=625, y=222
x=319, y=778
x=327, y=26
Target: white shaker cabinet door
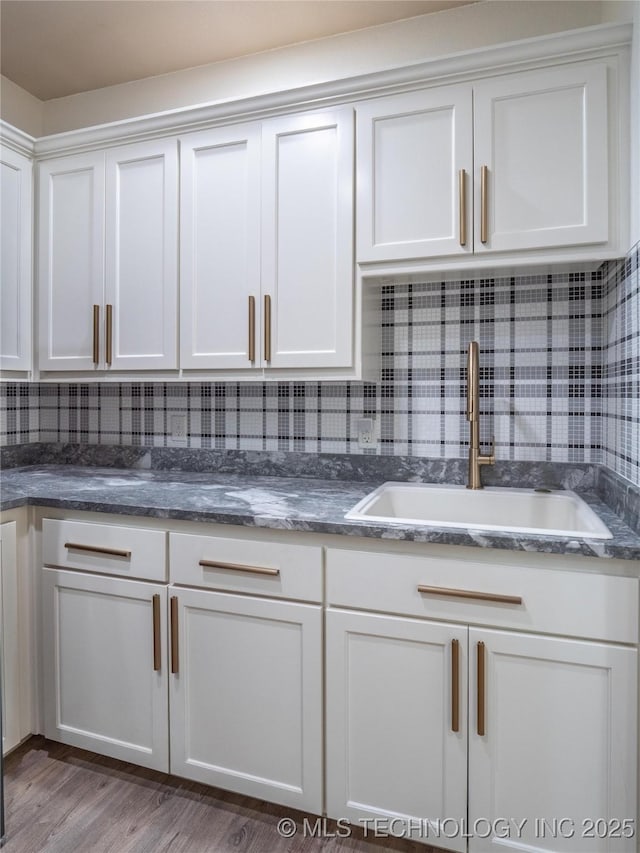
x=71, y=261
x=541, y=139
x=141, y=257
x=15, y=259
x=246, y=695
x=105, y=666
x=397, y=724
x=9, y=637
x=307, y=240
x=414, y=180
x=556, y=750
x=220, y=248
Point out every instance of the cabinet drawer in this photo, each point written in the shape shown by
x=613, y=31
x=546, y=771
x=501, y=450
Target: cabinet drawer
x=552, y=601
x=105, y=548
x=253, y=566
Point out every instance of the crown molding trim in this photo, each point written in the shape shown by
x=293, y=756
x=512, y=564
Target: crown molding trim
x=16, y=139
x=526, y=53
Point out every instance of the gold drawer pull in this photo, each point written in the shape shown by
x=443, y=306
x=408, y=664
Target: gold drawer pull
x=109, y=334
x=455, y=685
x=98, y=549
x=156, y=633
x=174, y=634
x=470, y=594
x=267, y=328
x=481, y=690
x=484, y=204
x=237, y=567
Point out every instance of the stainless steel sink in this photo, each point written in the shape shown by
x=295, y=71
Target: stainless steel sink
x=558, y=513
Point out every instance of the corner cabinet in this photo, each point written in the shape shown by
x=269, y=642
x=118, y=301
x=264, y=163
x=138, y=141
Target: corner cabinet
x=16, y=248
x=267, y=244
x=108, y=255
x=525, y=162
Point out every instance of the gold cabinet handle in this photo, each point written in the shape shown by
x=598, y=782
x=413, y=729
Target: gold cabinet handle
x=484, y=209
x=267, y=328
x=462, y=205
x=252, y=329
x=238, y=567
x=470, y=594
x=481, y=690
x=98, y=549
x=109, y=333
x=455, y=686
x=156, y=633
x=174, y=634
x=96, y=334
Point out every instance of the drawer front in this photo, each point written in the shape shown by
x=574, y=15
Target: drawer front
x=105, y=548
x=551, y=601
x=252, y=566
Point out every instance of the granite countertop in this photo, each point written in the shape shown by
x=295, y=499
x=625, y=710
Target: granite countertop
x=276, y=502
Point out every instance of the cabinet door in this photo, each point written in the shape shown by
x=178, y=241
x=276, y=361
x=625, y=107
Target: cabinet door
x=393, y=746
x=559, y=749
x=9, y=637
x=141, y=257
x=307, y=240
x=246, y=699
x=105, y=666
x=411, y=150
x=543, y=137
x=219, y=246
x=15, y=259
x=71, y=260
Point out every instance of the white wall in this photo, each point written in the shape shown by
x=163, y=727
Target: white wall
x=20, y=108
x=338, y=57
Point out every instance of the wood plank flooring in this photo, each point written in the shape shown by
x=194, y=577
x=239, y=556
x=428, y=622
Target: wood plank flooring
x=59, y=799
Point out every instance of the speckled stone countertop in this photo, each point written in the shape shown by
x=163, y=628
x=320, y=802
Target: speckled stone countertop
x=301, y=503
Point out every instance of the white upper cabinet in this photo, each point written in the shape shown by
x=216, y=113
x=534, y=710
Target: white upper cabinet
x=307, y=233
x=141, y=256
x=267, y=244
x=414, y=151
x=514, y=163
x=71, y=261
x=15, y=258
x=108, y=259
x=220, y=246
x=542, y=137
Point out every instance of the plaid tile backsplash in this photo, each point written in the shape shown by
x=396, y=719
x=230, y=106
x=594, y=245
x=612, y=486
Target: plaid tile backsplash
x=559, y=359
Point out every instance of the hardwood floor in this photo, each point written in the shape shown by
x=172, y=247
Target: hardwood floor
x=59, y=799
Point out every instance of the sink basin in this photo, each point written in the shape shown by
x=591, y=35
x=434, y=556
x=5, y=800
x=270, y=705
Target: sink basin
x=558, y=513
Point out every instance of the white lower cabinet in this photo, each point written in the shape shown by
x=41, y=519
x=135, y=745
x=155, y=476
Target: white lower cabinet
x=467, y=737
x=396, y=723
x=105, y=665
x=246, y=695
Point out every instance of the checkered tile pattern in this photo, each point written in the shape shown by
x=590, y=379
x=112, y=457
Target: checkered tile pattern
x=558, y=382
x=621, y=367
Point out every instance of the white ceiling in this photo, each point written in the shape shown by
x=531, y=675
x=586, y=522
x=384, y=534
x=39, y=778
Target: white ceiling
x=54, y=48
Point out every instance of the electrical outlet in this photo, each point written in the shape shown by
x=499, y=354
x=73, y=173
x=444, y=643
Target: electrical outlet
x=365, y=428
x=178, y=434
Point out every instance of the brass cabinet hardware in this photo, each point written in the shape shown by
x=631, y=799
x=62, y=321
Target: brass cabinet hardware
x=238, y=567
x=455, y=686
x=109, y=334
x=267, y=328
x=481, y=690
x=156, y=632
x=252, y=329
x=484, y=209
x=98, y=549
x=462, y=202
x=96, y=334
x=470, y=594
x=174, y=634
